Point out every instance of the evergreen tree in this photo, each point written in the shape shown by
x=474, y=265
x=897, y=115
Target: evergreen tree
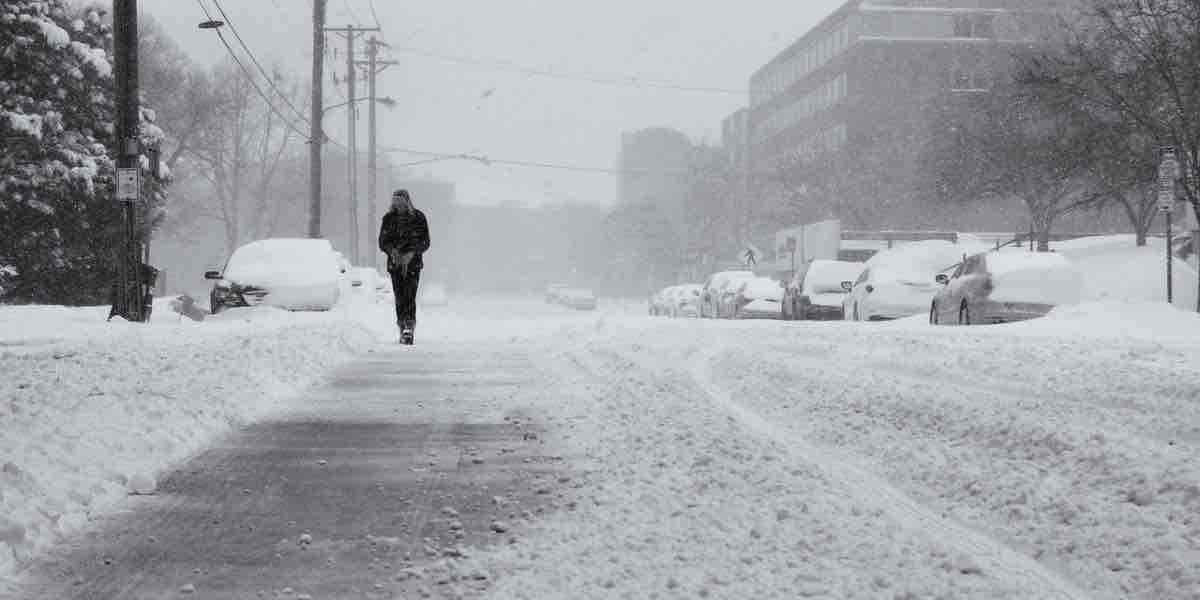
x=60, y=227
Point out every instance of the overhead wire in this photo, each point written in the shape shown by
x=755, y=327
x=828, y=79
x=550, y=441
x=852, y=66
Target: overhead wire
x=374, y=15
x=254, y=59
x=484, y=159
x=536, y=72
x=250, y=77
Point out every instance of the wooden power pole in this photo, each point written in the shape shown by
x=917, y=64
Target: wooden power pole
x=350, y=33
x=128, y=299
x=316, y=134
x=374, y=67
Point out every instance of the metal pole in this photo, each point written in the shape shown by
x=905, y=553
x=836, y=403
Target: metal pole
x=1169, y=269
x=128, y=299
x=372, y=166
x=352, y=154
x=316, y=135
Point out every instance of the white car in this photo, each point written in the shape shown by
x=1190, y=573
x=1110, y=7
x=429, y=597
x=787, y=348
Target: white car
x=289, y=273
x=686, y=301
x=1005, y=286
x=758, y=298
x=819, y=293
x=899, y=282
x=715, y=293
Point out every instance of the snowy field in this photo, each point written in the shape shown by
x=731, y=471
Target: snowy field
x=1055, y=458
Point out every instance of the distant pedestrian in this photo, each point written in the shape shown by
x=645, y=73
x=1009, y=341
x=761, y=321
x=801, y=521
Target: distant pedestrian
x=404, y=237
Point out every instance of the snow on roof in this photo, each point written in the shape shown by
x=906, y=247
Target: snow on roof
x=827, y=275
x=762, y=287
x=920, y=259
x=1021, y=260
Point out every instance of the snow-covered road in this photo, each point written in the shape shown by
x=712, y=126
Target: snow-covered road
x=1050, y=459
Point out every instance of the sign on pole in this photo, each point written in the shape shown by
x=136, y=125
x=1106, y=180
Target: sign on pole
x=127, y=185
x=1168, y=173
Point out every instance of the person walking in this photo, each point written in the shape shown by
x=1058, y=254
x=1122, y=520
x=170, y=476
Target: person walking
x=404, y=237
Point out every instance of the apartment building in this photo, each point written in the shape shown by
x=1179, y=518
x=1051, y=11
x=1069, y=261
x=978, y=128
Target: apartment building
x=869, y=71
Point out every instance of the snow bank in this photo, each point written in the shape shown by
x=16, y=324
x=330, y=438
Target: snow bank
x=93, y=411
x=1115, y=269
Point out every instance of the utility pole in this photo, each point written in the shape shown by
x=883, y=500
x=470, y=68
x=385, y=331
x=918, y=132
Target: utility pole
x=352, y=154
x=129, y=296
x=316, y=135
x=350, y=32
x=374, y=67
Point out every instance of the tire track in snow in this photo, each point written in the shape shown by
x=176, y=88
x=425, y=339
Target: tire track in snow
x=996, y=558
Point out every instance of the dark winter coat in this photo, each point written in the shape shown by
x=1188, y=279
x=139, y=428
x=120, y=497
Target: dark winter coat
x=404, y=231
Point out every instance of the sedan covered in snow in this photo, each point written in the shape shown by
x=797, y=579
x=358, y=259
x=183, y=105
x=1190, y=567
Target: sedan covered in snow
x=716, y=294
x=900, y=282
x=819, y=293
x=1005, y=286
x=293, y=274
x=758, y=298
x=578, y=298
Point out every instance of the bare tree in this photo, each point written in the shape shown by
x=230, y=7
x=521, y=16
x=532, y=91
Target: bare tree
x=1136, y=61
x=241, y=154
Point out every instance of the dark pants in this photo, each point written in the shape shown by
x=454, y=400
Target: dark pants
x=405, y=289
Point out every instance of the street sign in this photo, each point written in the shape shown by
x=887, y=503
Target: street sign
x=1168, y=173
x=127, y=185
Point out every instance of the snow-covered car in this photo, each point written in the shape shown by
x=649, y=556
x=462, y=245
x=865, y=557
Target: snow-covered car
x=899, y=282
x=757, y=298
x=660, y=302
x=289, y=273
x=715, y=287
x=365, y=283
x=554, y=292
x=1001, y=287
x=578, y=298
x=819, y=293
x=687, y=301
x=433, y=294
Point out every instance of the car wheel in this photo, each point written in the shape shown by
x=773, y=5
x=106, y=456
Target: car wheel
x=964, y=314
x=933, y=316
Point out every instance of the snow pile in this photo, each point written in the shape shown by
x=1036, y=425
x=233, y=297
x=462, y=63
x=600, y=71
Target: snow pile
x=93, y=411
x=1114, y=268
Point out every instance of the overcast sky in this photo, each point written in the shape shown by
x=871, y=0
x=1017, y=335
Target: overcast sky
x=457, y=108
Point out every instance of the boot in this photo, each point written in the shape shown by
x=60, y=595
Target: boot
x=406, y=332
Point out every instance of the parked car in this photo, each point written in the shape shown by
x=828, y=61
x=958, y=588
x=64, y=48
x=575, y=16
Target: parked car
x=687, y=301
x=578, y=298
x=711, y=295
x=791, y=293
x=294, y=274
x=433, y=294
x=364, y=282
x=899, y=282
x=660, y=302
x=757, y=298
x=819, y=293
x=1005, y=286
x=554, y=292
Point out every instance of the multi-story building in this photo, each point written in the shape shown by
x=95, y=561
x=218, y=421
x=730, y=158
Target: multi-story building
x=652, y=167
x=869, y=73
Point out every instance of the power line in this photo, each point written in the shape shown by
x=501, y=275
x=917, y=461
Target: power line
x=350, y=11
x=266, y=76
x=440, y=156
x=630, y=81
x=250, y=77
x=374, y=15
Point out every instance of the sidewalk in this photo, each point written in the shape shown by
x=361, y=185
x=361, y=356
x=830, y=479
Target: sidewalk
x=386, y=468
